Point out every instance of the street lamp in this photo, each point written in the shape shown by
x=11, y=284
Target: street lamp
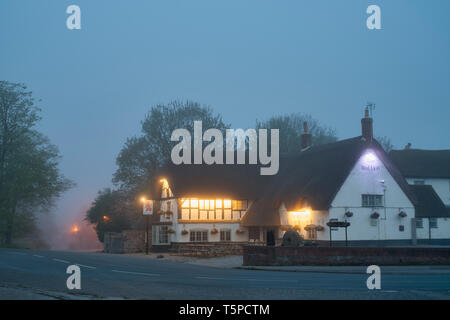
x=75, y=230
x=146, y=227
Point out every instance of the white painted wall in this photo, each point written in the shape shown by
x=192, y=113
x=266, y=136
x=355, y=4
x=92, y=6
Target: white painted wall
x=233, y=227
x=441, y=232
x=441, y=186
x=367, y=177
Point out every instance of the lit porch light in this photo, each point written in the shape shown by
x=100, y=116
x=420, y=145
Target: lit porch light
x=301, y=213
x=369, y=157
x=165, y=183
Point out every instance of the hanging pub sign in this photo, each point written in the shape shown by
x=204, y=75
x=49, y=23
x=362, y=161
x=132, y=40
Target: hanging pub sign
x=334, y=224
x=148, y=207
x=338, y=224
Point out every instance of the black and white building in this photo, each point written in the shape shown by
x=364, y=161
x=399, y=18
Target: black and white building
x=389, y=199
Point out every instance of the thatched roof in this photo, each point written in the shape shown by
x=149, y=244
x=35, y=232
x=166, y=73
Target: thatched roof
x=311, y=177
x=428, y=202
x=416, y=163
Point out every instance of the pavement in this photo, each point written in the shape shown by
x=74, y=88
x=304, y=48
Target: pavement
x=28, y=274
x=235, y=262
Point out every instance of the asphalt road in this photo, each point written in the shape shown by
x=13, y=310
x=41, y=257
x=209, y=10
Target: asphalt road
x=107, y=276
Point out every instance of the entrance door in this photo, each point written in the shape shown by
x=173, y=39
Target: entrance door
x=270, y=237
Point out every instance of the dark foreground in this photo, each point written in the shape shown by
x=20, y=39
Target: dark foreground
x=103, y=276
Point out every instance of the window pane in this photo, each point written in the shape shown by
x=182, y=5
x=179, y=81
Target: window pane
x=203, y=215
x=185, y=204
x=185, y=214
x=194, y=203
x=163, y=234
x=433, y=223
x=419, y=223
x=219, y=204
x=227, y=204
x=227, y=214
x=372, y=200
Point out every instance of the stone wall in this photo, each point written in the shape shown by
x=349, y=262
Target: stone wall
x=215, y=249
x=128, y=241
x=289, y=256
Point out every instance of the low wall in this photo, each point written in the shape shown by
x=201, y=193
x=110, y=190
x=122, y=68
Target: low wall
x=128, y=241
x=289, y=256
x=214, y=249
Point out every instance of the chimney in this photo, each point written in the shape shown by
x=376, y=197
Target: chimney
x=367, y=126
x=306, y=137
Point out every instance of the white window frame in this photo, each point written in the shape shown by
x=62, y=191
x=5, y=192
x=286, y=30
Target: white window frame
x=372, y=200
x=433, y=223
x=419, y=223
x=225, y=235
x=198, y=236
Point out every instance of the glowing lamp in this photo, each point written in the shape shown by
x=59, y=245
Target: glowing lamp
x=369, y=157
x=301, y=213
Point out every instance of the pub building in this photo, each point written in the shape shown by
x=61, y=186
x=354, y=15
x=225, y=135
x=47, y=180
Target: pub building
x=401, y=198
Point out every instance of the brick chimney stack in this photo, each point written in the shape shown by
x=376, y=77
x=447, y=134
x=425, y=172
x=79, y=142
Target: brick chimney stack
x=306, y=137
x=367, y=125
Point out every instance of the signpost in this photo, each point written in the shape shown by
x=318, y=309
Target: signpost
x=147, y=211
x=334, y=223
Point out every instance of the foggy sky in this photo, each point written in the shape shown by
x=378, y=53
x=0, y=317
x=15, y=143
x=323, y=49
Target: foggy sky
x=248, y=60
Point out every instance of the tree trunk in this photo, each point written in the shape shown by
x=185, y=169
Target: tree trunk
x=9, y=227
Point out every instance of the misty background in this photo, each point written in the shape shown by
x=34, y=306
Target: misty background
x=248, y=60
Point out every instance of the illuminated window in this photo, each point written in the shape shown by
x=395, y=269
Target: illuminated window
x=239, y=204
x=185, y=204
x=372, y=200
x=218, y=209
